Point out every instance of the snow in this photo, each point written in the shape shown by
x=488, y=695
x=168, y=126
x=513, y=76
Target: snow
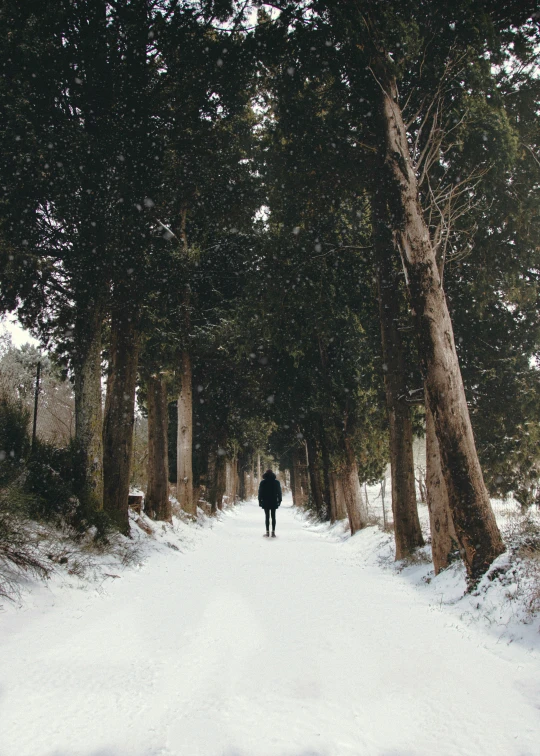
x=507, y=600
x=311, y=644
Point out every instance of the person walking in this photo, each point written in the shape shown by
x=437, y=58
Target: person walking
x=270, y=499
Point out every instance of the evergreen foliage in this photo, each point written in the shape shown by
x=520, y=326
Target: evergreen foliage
x=180, y=180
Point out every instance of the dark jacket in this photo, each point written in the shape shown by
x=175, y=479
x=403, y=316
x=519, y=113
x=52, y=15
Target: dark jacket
x=269, y=491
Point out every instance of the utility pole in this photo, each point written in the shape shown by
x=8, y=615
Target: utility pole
x=36, y=401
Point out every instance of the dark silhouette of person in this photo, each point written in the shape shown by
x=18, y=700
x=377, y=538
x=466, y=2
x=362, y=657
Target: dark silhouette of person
x=270, y=499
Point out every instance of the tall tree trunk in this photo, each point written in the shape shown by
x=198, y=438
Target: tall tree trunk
x=473, y=517
x=253, y=474
x=119, y=415
x=221, y=479
x=293, y=486
x=354, y=502
x=248, y=478
x=211, y=480
x=304, y=474
x=228, y=476
x=184, y=450
x=296, y=482
x=341, y=507
x=233, y=480
x=258, y=469
x=299, y=496
x=90, y=310
x=157, y=503
x=407, y=530
x=443, y=535
x=326, y=472
x=241, y=466
x=237, y=481
x=333, y=500
x=315, y=477
x=88, y=409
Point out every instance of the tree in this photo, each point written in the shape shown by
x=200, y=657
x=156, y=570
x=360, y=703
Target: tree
x=85, y=231
x=473, y=519
x=92, y=210
x=205, y=106
x=157, y=503
x=408, y=533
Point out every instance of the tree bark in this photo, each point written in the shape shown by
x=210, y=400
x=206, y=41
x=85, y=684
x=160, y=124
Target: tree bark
x=354, y=502
x=248, y=478
x=473, y=517
x=211, y=480
x=407, y=530
x=157, y=504
x=88, y=407
x=119, y=415
x=443, y=535
x=241, y=467
x=333, y=500
x=221, y=474
x=326, y=473
x=184, y=450
x=253, y=476
x=293, y=486
x=233, y=480
x=299, y=495
x=228, y=475
x=237, y=482
x=304, y=474
x=341, y=508
x=315, y=477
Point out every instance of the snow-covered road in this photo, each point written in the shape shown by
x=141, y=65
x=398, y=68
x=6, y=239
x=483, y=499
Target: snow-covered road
x=245, y=646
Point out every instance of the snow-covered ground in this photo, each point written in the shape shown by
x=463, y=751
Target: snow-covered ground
x=507, y=600
x=307, y=645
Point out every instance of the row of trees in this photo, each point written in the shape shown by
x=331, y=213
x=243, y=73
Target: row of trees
x=392, y=147
x=116, y=131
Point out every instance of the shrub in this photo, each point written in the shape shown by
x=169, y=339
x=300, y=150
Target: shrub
x=19, y=545
x=53, y=481
x=50, y=496
x=14, y=439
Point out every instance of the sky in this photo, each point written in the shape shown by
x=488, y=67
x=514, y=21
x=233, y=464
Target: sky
x=19, y=335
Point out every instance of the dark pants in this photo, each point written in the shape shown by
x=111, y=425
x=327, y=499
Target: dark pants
x=267, y=511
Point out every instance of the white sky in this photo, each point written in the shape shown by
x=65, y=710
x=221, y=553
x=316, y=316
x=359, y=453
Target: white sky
x=18, y=334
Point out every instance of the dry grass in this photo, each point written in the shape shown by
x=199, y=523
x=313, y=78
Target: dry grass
x=20, y=551
x=32, y=549
x=521, y=532
x=530, y=568
x=388, y=528
x=418, y=557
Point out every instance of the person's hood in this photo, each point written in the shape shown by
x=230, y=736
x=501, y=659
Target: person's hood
x=269, y=475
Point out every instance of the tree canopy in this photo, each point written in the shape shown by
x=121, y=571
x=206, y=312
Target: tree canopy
x=218, y=196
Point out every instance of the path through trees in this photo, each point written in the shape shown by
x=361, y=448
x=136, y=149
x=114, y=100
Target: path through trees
x=293, y=646
x=240, y=215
